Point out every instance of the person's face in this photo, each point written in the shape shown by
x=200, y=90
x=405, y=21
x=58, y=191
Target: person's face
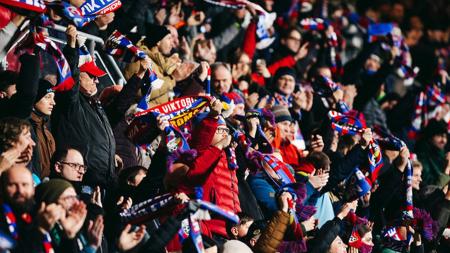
x=222, y=80
x=46, y=104
x=439, y=141
x=244, y=63
x=293, y=41
x=19, y=185
x=372, y=64
x=338, y=246
x=285, y=129
x=367, y=238
x=325, y=72
x=174, y=33
x=165, y=45
x=88, y=84
x=243, y=229
x=68, y=198
x=221, y=133
x=286, y=84
x=416, y=177
x=71, y=168
x=25, y=144
x=9, y=92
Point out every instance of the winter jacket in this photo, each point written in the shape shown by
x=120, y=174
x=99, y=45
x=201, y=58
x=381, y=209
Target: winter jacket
x=273, y=235
x=45, y=142
x=81, y=122
x=374, y=115
x=163, y=67
x=210, y=170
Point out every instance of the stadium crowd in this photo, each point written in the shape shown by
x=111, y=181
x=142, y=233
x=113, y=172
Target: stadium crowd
x=240, y=126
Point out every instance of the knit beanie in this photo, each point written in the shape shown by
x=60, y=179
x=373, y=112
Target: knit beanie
x=281, y=113
x=435, y=127
x=204, y=130
x=50, y=191
x=284, y=71
x=155, y=33
x=235, y=97
x=44, y=88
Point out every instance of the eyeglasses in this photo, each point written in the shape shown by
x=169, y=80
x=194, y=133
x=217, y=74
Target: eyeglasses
x=70, y=198
x=77, y=166
x=222, y=130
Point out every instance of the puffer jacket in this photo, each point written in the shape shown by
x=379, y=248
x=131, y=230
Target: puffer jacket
x=163, y=67
x=210, y=171
x=273, y=235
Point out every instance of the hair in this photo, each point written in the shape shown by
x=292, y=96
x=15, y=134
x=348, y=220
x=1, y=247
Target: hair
x=243, y=218
x=286, y=33
x=363, y=229
x=61, y=154
x=346, y=142
x=128, y=174
x=7, y=78
x=416, y=164
x=319, y=159
x=10, y=130
x=219, y=64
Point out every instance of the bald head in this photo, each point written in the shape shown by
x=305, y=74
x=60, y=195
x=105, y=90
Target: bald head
x=222, y=79
x=18, y=186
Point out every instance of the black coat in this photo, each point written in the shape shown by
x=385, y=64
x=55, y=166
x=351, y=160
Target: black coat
x=81, y=122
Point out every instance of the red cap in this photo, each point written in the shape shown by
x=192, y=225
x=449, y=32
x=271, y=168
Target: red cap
x=92, y=69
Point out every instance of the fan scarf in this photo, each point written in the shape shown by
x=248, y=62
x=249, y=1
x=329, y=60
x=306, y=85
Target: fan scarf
x=65, y=80
x=180, y=111
x=426, y=102
x=344, y=124
x=32, y=5
x=12, y=227
x=119, y=46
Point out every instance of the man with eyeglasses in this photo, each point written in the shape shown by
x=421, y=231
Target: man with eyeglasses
x=69, y=164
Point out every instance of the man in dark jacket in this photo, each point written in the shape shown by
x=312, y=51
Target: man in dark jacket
x=79, y=119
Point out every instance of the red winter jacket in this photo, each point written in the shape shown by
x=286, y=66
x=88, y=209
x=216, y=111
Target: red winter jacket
x=210, y=170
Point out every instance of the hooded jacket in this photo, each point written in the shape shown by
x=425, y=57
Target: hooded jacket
x=210, y=170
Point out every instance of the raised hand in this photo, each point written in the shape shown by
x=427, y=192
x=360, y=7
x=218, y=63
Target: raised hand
x=74, y=219
x=48, y=215
x=96, y=197
x=71, y=33
x=318, y=181
x=95, y=232
x=317, y=143
x=124, y=203
x=129, y=240
x=8, y=158
x=310, y=224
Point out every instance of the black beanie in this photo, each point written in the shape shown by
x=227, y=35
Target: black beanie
x=325, y=236
x=155, y=33
x=284, y=71
x=435, y=127
x=44, y=88
x=50, y=191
